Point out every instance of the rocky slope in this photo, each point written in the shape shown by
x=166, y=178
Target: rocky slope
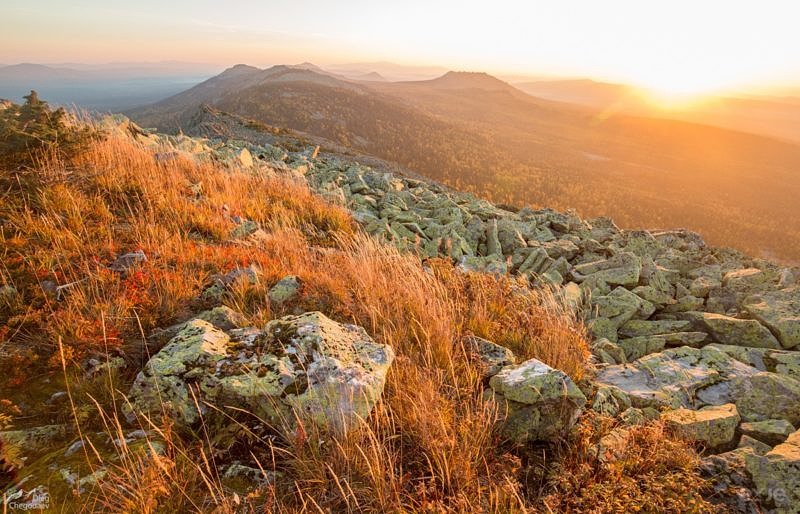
x=676, y=324
x=706, y=338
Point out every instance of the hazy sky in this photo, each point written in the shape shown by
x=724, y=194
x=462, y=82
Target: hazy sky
x=673, y=45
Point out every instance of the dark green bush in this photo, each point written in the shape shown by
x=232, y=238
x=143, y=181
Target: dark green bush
x=28, y=130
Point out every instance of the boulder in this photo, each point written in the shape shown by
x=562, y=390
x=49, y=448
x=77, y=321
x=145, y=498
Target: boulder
x=612, y=446
x=541, y=403
x=637, y=416
x=222, y=317
x=702, y=286
x=714, y=426
x=769, y=431
x=776, y=475
x=733, y=331
x=610, y=401
x=745, y=280
x=306, y=365
x=684, y=304
x=285, y=289
x=561, y=248
x=617, y=307
x=766, y=395
x=780, y=312
x=781, y=362
x=636, y=327
x=754, y=444
x=608, y=352
x=731, y=484
x=673, y=378
x=623, y=269
x=636, y=347
x=784, y=363
x=639, y=242
x=492, y=357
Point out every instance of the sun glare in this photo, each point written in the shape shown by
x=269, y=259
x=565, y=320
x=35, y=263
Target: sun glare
x=680, y=91
x=675, y=99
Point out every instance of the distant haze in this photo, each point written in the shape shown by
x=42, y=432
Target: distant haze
x=107, y=87
x=679, y=46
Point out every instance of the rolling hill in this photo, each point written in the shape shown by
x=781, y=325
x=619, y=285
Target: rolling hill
x=475, y=132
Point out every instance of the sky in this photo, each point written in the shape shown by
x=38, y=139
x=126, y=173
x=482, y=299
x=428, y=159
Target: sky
x=675, y=46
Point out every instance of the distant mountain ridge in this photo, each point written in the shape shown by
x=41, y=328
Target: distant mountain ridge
x=25, y=72
x=98, y=87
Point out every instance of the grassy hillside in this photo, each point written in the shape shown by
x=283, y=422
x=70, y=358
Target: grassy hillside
x=430, y=446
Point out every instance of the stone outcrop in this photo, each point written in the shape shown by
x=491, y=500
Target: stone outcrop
x=713, y=426
x=780, y=312
x=307, y=366
x=492, y=357
x=541, y=403
x=776, y=475
x=769, y=431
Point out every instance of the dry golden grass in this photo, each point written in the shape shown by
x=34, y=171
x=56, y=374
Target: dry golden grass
x=654, y=473
x=430, y=446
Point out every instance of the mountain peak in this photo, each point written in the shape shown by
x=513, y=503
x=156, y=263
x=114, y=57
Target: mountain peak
x=308, y=66
x=239, y=69
x=470, y=80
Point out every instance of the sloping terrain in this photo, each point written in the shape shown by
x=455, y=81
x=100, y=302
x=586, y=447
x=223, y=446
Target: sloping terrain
x=476, y=133
x=147, y=304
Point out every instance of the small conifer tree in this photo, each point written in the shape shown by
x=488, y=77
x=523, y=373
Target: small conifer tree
x=33, y=127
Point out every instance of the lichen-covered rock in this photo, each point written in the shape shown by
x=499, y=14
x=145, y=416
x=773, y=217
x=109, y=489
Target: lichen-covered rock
x=636, y=347
x=610, y=401
x=713, y=426
x=492, y=357
x=732, y=487
x=541, y=403
x=744, y=280
x=285, y=289
x=769, y=431
x=611, y=311
x=623, y=269
x=757, y=446
x=612, y=446
x=636, y=327
x=766, y=395
x=163, y=385
x=608, y=352
x=35, y=439
x=222, y=317
x=780, y=311
x=781, y=362
x=306, y=365
x=673, y=378
x=784, y=363
x=636, y=416
x=733, y=331
x=125, y=262
x=248, y=230
x=776, y=475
